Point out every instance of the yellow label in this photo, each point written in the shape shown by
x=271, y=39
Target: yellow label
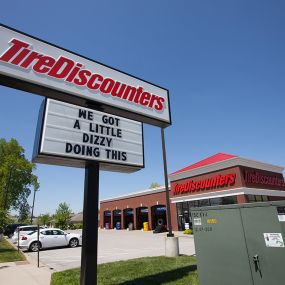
x=212, y=221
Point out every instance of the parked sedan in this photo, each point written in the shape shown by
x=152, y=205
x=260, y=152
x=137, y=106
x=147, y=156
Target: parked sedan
x=23, y=230
x=50, y=237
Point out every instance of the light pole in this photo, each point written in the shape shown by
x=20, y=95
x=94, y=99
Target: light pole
x=170, y=234
x=35, y=190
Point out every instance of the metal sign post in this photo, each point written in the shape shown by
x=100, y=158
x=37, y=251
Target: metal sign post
x=38, y=237
x=89, y=251
x=170, y=234
x=18, y=239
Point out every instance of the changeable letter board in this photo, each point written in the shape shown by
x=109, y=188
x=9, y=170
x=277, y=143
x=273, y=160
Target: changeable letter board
x=70, y=135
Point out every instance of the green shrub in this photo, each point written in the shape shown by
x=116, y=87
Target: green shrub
x=71, y=227
x=188, y=232
x=75, y=226
x=78, y=226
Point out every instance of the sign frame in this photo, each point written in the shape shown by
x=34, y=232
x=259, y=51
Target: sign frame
x=91, y=187
x=61, y=160
x=38, y=89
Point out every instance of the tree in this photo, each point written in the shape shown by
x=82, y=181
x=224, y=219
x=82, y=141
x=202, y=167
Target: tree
x=16, y=178
x=154, y=185
x=45, y=219
x=4, y=220
x=62, y=216
x=24, y=213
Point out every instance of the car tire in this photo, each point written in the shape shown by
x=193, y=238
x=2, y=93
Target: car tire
x=74, y=242
x=34, y=246
x=160, y=222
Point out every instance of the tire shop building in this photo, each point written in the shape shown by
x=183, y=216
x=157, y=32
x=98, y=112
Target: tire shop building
x=217, y=180
x=136, y=208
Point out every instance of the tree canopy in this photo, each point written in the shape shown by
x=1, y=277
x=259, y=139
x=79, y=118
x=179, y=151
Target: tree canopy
x=24, y=213
x=62, y=216
x=45, y=219
x=16, y=179
x=154, y=185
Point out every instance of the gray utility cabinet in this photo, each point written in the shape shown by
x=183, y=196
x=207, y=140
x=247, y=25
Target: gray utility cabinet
x=240, y=244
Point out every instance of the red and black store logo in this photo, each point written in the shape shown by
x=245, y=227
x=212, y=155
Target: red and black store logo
x=255, y=177
x=205, y=184
x=22, y=55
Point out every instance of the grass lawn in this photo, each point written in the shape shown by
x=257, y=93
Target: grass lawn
x=8, y=253
x=142, y=271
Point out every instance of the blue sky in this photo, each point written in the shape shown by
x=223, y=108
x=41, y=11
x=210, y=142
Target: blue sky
x=223, y=62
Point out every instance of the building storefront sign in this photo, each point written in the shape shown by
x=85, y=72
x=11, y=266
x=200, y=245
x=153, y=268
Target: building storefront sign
x=205, y=184
x=255, y=177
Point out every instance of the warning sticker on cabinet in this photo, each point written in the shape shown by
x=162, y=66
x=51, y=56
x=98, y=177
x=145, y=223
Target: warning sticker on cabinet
x=197, y=221
x=212, y=221
x=273, y=239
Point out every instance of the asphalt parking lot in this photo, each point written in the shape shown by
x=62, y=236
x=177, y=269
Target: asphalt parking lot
x=113, y=246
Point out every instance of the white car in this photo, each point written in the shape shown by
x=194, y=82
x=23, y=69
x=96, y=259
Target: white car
x=23, y=230
x=50, y=237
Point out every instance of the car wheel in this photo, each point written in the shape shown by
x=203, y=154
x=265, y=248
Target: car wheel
x=35, y=246
x=73, y=242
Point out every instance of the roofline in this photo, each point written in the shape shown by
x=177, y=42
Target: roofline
x=231, y=162
x=205, y=162
x=136, y=194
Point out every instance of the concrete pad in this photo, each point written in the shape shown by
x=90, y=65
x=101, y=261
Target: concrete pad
x=24, y=272
x=16, y=274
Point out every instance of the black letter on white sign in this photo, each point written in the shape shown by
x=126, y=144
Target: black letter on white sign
x=68, y=147
x=76, y=125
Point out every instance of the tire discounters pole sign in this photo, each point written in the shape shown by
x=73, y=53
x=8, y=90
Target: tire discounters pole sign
x=33, y=65
x=71, y=135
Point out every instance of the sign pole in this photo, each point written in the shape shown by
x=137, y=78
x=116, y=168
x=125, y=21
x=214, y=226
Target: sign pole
x=18, y=239
x=90, y=226
x=170, y=234
x=38, y=237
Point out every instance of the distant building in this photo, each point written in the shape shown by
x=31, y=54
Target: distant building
x=217, y=180
x=77, y=218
